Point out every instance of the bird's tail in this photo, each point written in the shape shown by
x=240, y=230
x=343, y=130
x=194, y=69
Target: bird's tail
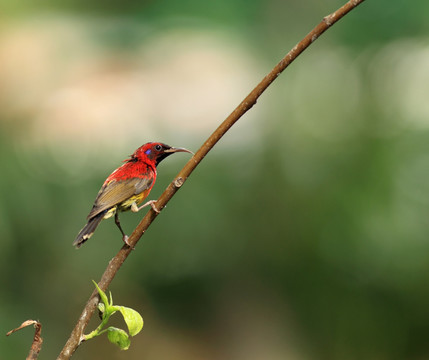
x=87, y=230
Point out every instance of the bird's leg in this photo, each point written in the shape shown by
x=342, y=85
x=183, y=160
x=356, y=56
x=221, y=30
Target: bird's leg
x=135, y=208
x=118, y=224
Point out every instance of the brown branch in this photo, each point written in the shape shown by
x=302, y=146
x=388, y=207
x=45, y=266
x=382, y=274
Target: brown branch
x=36, y=346
x=114, y=265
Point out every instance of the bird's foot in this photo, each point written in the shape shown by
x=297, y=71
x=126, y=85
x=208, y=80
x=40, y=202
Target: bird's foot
x=135, y=208
x=125, y=240
x=152, y=205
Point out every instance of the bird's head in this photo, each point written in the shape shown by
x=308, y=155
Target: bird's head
x=155, y=152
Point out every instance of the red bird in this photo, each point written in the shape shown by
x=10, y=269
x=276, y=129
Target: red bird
x=126, y=188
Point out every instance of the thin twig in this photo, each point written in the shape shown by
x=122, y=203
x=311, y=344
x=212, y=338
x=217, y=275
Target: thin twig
x=114, y=265
x=36, y=346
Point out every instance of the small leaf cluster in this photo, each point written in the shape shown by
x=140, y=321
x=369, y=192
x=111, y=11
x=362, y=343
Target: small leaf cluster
x=115, y=335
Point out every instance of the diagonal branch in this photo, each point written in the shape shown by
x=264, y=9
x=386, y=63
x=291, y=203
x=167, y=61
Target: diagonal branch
x=115, y=264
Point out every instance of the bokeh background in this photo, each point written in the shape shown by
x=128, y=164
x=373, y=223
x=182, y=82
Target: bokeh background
x=303, y=235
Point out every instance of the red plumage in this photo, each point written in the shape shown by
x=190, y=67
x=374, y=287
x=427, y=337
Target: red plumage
x=138, y=164
x=127, y=187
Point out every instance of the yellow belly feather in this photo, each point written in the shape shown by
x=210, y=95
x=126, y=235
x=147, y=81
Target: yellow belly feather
x=126, y=204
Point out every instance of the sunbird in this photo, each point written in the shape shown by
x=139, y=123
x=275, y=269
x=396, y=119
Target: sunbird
x=127, y=187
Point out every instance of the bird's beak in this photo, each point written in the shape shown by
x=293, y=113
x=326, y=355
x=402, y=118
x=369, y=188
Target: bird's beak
x=173, y=150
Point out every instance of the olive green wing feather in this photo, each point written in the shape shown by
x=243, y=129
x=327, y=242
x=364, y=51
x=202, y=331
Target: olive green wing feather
x=115, y=192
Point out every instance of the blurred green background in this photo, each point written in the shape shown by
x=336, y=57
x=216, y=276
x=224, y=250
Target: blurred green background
x=302, y=235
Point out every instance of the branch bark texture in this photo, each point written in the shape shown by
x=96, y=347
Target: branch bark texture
x=250, y=100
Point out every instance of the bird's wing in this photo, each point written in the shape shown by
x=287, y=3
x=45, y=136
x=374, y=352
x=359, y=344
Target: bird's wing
x=115, y=192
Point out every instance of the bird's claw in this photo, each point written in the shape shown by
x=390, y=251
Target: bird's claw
x=152, y=205
x=135, y=208
x=125, y=240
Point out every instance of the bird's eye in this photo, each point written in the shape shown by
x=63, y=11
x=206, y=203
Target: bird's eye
x=158, y=147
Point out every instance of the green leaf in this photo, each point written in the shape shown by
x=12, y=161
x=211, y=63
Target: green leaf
x=118, y=337
x=103, y=296
x=101, y=307
x=132, y=318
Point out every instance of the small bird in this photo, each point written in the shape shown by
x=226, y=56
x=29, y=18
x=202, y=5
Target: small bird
x=127, y=187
